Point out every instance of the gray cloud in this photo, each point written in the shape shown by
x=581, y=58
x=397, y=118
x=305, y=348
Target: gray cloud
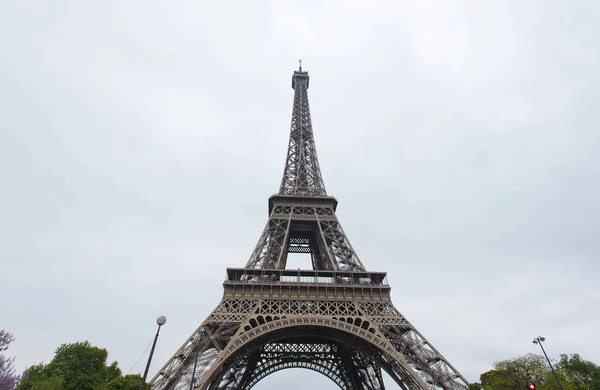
x=139, y=143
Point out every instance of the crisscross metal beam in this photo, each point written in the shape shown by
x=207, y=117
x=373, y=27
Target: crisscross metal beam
x=336, y=319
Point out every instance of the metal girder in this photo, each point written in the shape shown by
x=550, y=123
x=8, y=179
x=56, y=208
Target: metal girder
x=286, y=332
x=336, y=319
x=328, y=245
x=302, y=175
x=324, y=358
x=315, y=230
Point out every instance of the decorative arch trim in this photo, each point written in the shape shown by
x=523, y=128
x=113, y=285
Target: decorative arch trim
x=374, y=339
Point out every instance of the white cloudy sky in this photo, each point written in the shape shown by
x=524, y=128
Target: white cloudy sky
x=140, y=140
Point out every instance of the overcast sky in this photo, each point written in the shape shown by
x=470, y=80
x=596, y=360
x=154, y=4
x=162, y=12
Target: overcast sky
x=140, y=140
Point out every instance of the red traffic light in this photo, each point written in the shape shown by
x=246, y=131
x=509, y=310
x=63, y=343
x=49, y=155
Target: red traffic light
x=532, y=386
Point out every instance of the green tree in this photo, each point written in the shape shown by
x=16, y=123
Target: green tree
x=127, y=382
x=579, y=373
x=573, y=372
x=515, y=373
x=33, y=375
x=52, y=383
x=78, y=366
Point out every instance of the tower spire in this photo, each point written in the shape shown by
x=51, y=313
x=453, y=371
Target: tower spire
x=302, y=175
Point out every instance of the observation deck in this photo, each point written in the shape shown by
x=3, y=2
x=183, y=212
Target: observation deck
x=302, y=201
x=306, y=284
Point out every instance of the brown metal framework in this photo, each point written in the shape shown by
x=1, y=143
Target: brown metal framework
x=336, y=319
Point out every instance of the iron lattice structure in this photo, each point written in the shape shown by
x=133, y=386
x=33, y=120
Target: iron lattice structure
x=336, y=319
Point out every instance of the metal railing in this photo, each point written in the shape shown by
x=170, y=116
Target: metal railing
x=251, y=275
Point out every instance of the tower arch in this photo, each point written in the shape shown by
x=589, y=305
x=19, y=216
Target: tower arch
x=331, y=347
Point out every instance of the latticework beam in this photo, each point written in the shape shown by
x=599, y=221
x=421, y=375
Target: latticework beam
x=302, y=175
x=336, y=319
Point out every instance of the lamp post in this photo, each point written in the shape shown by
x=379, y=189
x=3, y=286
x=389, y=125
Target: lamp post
x=160, y=321
x=539, y=340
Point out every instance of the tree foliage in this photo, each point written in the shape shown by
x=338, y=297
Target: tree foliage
x=78, y=366
x=515, y=373
x=127, y=382
x=8, y=378
x=573, y=372
x=52, y=383
x=579, y=373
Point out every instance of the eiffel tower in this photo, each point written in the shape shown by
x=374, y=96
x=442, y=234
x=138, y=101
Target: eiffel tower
x=336, y=319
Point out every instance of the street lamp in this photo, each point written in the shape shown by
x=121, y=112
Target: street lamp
x=160, y=321
x=539, y=340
